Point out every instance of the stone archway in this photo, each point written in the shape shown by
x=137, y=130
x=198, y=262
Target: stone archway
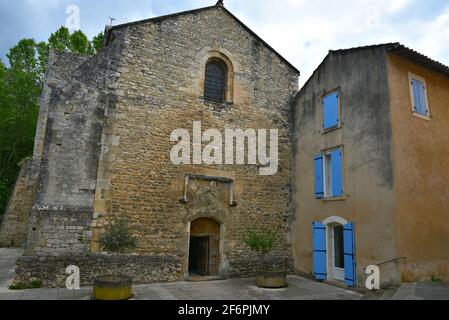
x=204, y=248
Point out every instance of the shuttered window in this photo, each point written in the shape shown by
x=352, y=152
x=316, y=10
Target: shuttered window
x=215, y=81
x=331, y=111
x=329, y=174
x=419, y=96
x=319, y=251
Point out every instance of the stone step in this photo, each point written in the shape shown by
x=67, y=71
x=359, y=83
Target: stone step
x=204, y=278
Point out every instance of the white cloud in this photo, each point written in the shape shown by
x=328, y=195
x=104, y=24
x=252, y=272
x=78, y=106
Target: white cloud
x=304, y=31
x=397, y=5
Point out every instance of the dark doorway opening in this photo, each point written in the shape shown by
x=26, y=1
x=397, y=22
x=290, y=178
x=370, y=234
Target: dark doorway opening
x=339, y=250
x=199, y=256
x=204, y=251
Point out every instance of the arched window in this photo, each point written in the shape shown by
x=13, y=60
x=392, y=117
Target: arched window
x=215, y=81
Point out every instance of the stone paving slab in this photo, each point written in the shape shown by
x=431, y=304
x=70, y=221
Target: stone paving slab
x=422, y=291
x=232, y=289
x=433, y=291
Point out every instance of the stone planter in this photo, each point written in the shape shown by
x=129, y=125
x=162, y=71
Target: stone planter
x=113, y=288
x=272, y=279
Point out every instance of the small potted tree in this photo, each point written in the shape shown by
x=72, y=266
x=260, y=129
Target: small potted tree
x=117, y=239
x=262, y=242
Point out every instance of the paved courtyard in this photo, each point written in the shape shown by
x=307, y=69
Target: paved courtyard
x=8, y=258
x=232, y=289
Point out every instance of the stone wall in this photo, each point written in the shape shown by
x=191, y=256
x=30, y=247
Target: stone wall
x=60, y=231
x=59, y=71
x=14, y=225
x=16, y=221
x=52, y=270
x=160, y=89
x=75, y=105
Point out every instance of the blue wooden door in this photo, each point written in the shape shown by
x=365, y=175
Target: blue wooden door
x=319, y=251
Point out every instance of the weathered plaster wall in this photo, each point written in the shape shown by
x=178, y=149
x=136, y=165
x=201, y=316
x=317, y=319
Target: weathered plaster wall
x=365, y=137
x=421, y=165
x=160, y=90
x=59, y=71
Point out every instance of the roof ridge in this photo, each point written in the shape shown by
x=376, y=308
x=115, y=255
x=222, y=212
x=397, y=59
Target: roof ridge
x=165, y=16
x=388, y=44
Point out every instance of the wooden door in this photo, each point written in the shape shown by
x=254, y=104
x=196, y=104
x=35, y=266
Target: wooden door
x=205, y=247
x=203, y=256
x=214, y=259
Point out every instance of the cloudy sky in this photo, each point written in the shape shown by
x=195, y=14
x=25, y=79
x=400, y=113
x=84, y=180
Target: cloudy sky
x=301, y=30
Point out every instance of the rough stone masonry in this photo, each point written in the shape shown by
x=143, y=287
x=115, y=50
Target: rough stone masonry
x=103, y=150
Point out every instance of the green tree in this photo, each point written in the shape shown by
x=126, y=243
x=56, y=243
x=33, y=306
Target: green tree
x=77, y=41
x=19, y=92
x=20, y=88
x=97, y=42
x=262, y=241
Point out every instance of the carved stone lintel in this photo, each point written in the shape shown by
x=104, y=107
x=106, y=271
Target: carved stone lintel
x=189, y=176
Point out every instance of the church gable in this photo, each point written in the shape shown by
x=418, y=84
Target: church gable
x=225, y=21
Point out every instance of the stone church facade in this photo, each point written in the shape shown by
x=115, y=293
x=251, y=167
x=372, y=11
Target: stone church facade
x=103, y=151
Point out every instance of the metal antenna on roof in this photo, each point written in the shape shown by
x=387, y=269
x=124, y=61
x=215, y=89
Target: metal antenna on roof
x=112, y=21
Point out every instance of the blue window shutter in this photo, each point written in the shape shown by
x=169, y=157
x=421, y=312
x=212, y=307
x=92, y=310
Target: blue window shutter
x=416, y=105
x=422, y=99
x=319, y=251
x=419, y=105
x=319, y=179
x=419, y=97
x=331, y=112
x=337, y=173
x=350, y=261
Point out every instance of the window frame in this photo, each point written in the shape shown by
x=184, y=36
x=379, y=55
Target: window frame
x=222, y=64
x=327, y=175
x=339, y=111
x=411, y=77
